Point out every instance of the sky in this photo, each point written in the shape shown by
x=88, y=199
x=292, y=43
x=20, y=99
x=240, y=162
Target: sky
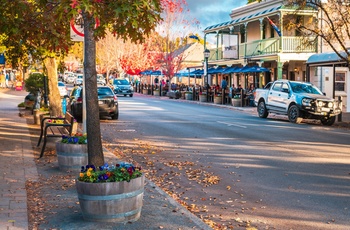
x=211, y=12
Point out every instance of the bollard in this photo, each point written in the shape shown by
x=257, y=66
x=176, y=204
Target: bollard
x=64, y=105
x=36, y=114
x=340, y=105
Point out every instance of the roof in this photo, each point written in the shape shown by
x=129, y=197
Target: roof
x=328, y=58
x=245, y=18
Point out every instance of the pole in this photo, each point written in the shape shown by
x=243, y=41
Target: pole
x=206, y=73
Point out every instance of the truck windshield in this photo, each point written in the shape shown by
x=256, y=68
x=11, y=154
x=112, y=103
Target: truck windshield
x=304, y=88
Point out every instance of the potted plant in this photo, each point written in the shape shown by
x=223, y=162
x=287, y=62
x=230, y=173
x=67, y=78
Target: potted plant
x=72, y=152
x=236, y=101
x=156, y=92
x=202, y=97
x=111, y=193
x=218, y=99
x=188, y=95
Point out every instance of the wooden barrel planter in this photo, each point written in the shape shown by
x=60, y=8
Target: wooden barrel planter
x=236, y=102
x=145, y=91
x=119, y=202
x=71, y=156
x=202, y=97
x=156, y=93
x=217, y=100
x=188, y=96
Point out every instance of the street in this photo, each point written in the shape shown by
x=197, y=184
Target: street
x=233, y=169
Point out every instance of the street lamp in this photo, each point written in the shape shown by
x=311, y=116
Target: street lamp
x=206, y=56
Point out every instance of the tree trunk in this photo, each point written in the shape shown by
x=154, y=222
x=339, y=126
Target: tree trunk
x=95, y=151
x=54, y=93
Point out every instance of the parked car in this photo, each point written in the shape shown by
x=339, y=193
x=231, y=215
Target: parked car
x=70, y=78
x=107, y=101
x=122, y=87
x=101, y=80
x=63, y=89
x=78, y=80
x=297, y=100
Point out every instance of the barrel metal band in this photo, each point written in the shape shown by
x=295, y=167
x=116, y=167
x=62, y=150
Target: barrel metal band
x=120, y=215
x=111, y=197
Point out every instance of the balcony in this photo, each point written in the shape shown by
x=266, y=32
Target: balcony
x=285, y=44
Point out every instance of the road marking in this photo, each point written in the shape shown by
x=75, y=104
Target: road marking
x=232, y=124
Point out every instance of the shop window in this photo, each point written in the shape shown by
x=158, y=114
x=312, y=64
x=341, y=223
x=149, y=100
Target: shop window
x=340, y=81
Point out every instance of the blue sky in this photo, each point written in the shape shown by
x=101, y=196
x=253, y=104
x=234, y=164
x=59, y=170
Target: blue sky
x=211, y=12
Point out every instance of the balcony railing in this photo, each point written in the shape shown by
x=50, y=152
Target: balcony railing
x=268, y=46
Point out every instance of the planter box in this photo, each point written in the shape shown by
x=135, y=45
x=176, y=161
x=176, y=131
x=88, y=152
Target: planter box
x=156, y=93
x=119, y=202
x=217, y=100
x=188, y=96
x=237, y=102
x=71, y=156
x=145, y=91
x=202, y=97
x=174, y=94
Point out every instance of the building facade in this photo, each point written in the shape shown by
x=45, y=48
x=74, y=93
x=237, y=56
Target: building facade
x=259, y=34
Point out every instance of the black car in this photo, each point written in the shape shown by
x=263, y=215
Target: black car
x=107, y=101
x=122, y=87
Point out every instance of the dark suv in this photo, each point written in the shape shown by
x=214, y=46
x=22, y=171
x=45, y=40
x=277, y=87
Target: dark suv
x=122, y=87
x=107, y=101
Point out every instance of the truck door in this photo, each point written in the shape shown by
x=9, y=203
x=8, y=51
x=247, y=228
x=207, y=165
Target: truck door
x=273, y=96
x=284, y=96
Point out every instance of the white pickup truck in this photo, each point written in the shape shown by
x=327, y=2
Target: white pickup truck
x=297, y=100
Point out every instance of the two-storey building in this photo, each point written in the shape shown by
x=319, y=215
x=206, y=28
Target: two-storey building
x=257, y=34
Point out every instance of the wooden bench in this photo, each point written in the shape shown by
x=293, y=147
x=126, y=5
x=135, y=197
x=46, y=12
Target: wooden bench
x=54, y=129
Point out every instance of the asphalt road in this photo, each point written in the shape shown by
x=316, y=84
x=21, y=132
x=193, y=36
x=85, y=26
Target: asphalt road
x=234, y=169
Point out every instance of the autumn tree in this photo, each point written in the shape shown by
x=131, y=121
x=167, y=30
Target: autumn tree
x=33, y=33
x=126, y=24
x=332, y=25
x=172, y=37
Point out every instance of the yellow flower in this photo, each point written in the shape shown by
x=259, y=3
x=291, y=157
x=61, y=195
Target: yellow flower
x=88, y=173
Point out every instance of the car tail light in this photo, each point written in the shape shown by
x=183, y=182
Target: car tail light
x=115, y=98
x=80, y=100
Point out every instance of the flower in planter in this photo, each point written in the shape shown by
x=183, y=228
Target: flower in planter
x=236, y=96
x=55, y=121
x=114, y=173
x=77, y=138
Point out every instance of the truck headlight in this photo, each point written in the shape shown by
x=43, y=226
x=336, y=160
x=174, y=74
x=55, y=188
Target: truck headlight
x=330, y=105
x=320, y=104
x=306, y=102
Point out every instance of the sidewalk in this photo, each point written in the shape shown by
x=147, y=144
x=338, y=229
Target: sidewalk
x=52, y=192
x=57, y=203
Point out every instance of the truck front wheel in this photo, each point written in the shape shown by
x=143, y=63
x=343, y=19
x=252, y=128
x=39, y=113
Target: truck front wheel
x=294, y=114
x=262, y=111
x=328, y=120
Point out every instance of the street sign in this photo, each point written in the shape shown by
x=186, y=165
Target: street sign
x=77, y=28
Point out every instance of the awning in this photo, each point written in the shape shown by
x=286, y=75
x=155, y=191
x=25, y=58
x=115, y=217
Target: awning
x=185, y=73
x=231, y=70
x=254, y=69
x=325, y=59
x=261, y=13
x=215, y=70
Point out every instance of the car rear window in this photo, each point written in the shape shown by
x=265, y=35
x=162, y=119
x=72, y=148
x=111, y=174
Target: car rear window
x=121, y=82
x=104, y=91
